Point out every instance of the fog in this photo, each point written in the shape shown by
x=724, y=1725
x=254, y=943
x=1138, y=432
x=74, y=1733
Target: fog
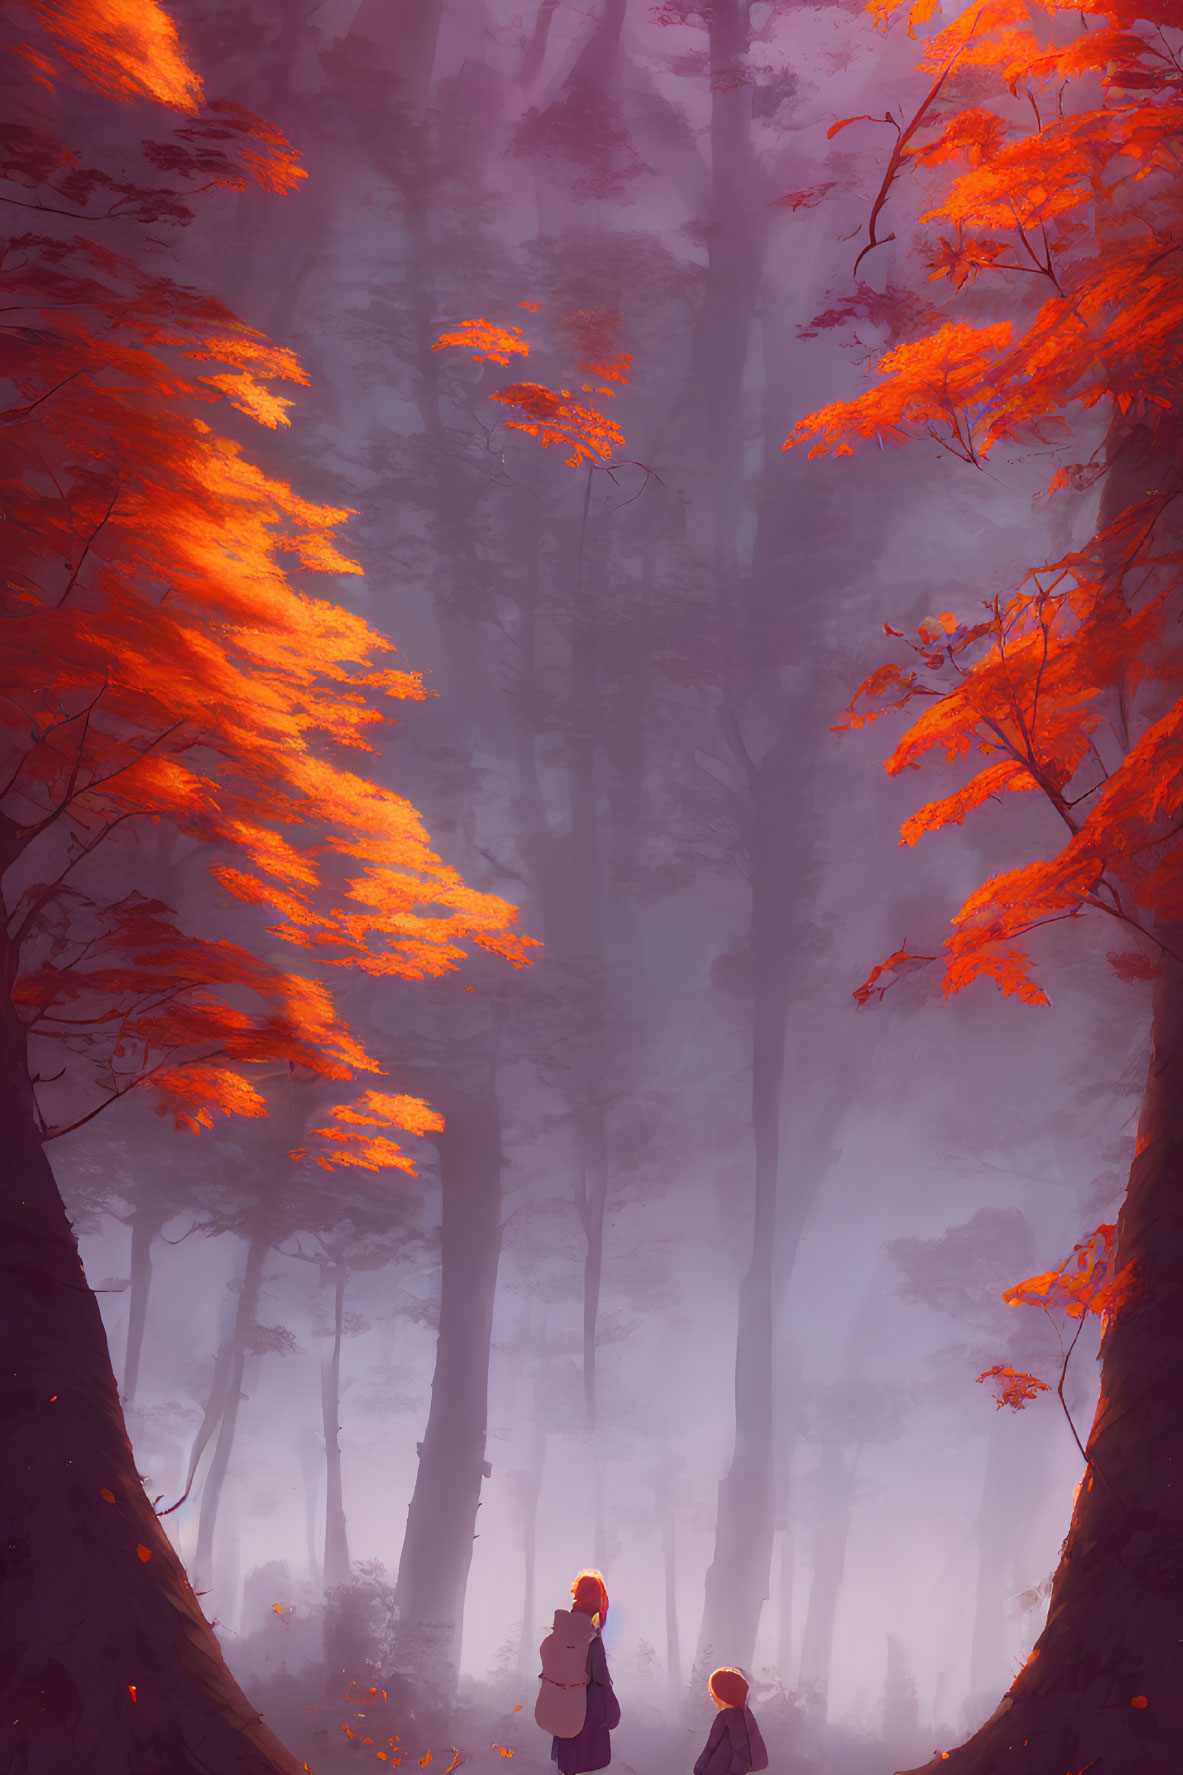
x=636, y=669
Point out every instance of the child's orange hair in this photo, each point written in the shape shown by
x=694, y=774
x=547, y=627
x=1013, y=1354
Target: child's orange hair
x=588, y=1587
x=729, y=1686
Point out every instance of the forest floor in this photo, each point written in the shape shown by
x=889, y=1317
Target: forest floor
x=338, y=1722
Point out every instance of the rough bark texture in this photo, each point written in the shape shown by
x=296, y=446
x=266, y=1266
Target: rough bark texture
x=441, y=1522
x=94, y=1603
x=1104, y=1685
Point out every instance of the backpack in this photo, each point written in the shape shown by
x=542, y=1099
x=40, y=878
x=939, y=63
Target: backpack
x=561, y=1706
x=757, y=1752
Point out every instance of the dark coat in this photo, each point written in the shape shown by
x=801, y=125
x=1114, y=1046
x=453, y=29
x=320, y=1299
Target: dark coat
x=591, y=1748
x=735, y=1746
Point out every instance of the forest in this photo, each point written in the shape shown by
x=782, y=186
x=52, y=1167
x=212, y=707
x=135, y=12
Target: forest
x=506, y=1075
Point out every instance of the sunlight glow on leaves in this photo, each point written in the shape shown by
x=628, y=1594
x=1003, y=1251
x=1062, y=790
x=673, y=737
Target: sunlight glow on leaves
x=1012, y=1387
x=163, y=670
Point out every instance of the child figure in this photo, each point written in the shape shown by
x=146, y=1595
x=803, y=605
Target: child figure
x=576, y=1702
x=735, y=1746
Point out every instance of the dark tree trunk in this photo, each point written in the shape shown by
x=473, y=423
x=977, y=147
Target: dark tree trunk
x=145, y=1227
x=441, y=1522
x=336, y=1565
x=1104, y=1685
x=106, y=1661
x=245, y=1319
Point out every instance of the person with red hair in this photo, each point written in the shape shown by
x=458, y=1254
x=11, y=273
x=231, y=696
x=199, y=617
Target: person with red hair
x=735, y=1746
x=576, y=1702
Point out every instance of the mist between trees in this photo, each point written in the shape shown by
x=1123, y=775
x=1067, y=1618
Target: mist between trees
x=612, y=1233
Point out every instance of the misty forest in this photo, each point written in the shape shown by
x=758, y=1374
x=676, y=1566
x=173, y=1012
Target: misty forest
x=499, y=1082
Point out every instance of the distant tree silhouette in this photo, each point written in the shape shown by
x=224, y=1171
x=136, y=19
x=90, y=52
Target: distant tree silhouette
x=159, y=666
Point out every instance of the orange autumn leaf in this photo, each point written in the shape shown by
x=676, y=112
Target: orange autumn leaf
x=145, y=1553
x=1027, y=687
x=885, y=975
x=487, y=342
x=1012, y=1387
x=558, y=419
x=939, y=387
x=1088, y=1281
x=1009, y=969
x=952, y=809
x=555, y=417
x=360, y=1135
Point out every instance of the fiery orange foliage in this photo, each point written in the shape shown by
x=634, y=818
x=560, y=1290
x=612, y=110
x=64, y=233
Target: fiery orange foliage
x=1086, y=1282
x=935, y=386
x=357, y=1137
x=558, y=419
x=887, y=973
x=1043, y=686
x=124, y=49
x=1083, y=201
x=1067, y=204
x=555, y=417
x=163, y=669
x=487, y=342
x=1012, y=1387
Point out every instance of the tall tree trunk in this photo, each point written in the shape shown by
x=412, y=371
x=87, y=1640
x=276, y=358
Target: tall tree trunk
x=106, y=1661
x=585, y=891
x=336, y=1566
x=1104, y=1685
x=245, y=1319
x=529, y=1495
x=667, y=1515
x=591, y=1202
x=784, y=1626
x=535, y=53
x=737, y=1582
x=995, y=1540
x=309, y=1454
x=441, y=1522
x=831, y=1533
x=145, y=1227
